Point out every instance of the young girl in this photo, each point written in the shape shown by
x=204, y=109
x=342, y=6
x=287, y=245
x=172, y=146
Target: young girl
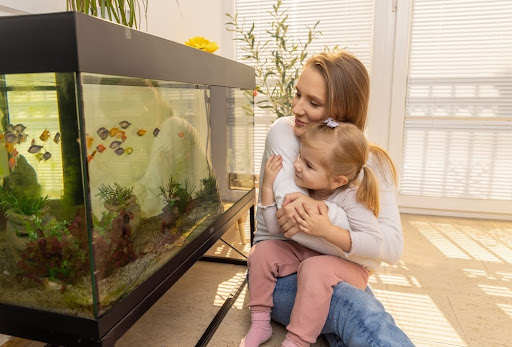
x=332, y=166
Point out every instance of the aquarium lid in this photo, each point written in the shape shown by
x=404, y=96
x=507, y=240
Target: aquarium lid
x=75, y=42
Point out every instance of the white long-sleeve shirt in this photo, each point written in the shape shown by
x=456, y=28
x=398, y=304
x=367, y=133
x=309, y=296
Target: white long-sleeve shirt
x=281, y=140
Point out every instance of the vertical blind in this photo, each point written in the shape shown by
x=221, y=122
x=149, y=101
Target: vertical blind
x=345, y=23
x=458, y=122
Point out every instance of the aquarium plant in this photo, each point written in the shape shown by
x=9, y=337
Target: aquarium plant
x=118, y=198
x=114, y=248
x=208, y=190
x=277, y=61
x=57, y=251
x=176, y=195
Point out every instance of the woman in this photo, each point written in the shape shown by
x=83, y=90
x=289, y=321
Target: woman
x=332, y=85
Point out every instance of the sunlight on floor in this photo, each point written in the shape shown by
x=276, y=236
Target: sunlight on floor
x=506, y=308
x=419, y=317
x=395, y=279
x=464, y=242
x=225, y=288
x=447, y=247
x=496, y=290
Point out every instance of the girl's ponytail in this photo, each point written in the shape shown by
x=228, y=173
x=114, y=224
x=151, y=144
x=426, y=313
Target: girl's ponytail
x=368, y=190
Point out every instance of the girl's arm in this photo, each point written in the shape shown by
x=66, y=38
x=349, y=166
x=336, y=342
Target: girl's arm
x=267, y=204
x=363, y=240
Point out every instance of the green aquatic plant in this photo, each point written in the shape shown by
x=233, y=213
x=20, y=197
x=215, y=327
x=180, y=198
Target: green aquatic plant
x=174, y=194
x=208, y=190
x=11, y=202
x=114, y=195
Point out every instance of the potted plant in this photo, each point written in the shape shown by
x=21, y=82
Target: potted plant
x=125, y=12
x=118, y=199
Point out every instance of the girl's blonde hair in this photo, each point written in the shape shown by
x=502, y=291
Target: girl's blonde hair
x=348, y=86
x=346, y=155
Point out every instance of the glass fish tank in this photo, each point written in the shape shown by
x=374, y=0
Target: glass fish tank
x=112, y=182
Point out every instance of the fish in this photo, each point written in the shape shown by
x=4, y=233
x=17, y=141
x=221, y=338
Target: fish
x=102, y=132
x=115, y=144
x=34, y=149
x=119, y=151
x=10, y=137
x=156, y=132
x=21, y=138
x=181, y=134
x=100, y=148
x=12, y=163
x=56, y=139
x=9, y=147
x=45, y=135
x=33, y=142
x=141, y=132
x=113, y=131
x=20, y=128
x=14, y=153
x=11, y=128
x=121, y=135
x=39, y=156
x=124, y=124
x=2, y=139
x=89, y=157
x=89, y=141
x=47, y=156
x=129, y=150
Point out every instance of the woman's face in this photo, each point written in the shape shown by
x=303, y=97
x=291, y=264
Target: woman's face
x=309, y=102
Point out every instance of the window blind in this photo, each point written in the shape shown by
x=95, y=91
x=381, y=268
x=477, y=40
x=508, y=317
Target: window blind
x=346, y=23
x=458, y=122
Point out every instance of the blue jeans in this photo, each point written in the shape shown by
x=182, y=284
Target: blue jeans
x=356, y=317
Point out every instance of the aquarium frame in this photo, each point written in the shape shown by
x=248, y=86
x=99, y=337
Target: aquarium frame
x=71, y=42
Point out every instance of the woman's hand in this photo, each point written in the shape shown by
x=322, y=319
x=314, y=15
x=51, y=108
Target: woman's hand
x=292, y=204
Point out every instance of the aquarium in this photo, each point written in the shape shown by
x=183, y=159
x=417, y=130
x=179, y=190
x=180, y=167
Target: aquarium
x=111, y=181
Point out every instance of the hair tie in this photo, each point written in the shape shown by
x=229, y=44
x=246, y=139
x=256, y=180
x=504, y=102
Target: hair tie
x=362, y=167
x=331, y=123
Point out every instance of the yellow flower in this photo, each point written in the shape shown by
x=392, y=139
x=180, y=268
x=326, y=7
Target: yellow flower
x=203, y=44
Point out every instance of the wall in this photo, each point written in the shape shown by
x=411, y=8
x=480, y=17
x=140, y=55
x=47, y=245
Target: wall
x=175, y=20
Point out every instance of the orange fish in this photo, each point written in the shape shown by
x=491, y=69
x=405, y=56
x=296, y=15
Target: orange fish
x=1, y=137
x=119, y=134
x=14, y=153
x=181, y=134
x=12, y=163
x=89, y=142
x=89, y=157
x=45, y=135
x=141, y=132
x=9, y=147
x=113, y=131
x=100, y=148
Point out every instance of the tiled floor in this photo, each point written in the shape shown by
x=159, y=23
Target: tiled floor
x=453, y=287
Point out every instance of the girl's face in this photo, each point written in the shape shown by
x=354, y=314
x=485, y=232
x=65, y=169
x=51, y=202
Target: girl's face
x=309, y=102
x=309, y=172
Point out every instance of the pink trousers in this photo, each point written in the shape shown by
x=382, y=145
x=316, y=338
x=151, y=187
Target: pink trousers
x=317, y=275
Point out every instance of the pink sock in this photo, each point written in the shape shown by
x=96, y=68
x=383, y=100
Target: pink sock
x=260, y=330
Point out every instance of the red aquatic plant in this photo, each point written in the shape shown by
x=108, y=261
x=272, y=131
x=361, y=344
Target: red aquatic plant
x=59, y=253
x=114, y=249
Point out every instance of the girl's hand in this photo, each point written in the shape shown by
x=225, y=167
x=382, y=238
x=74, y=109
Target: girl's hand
x=292, y=204
x=313, y=221
x=273, y=165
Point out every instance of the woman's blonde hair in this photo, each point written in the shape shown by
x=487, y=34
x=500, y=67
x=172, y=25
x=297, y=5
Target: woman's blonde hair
x=346, y=155
x=348, y=86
